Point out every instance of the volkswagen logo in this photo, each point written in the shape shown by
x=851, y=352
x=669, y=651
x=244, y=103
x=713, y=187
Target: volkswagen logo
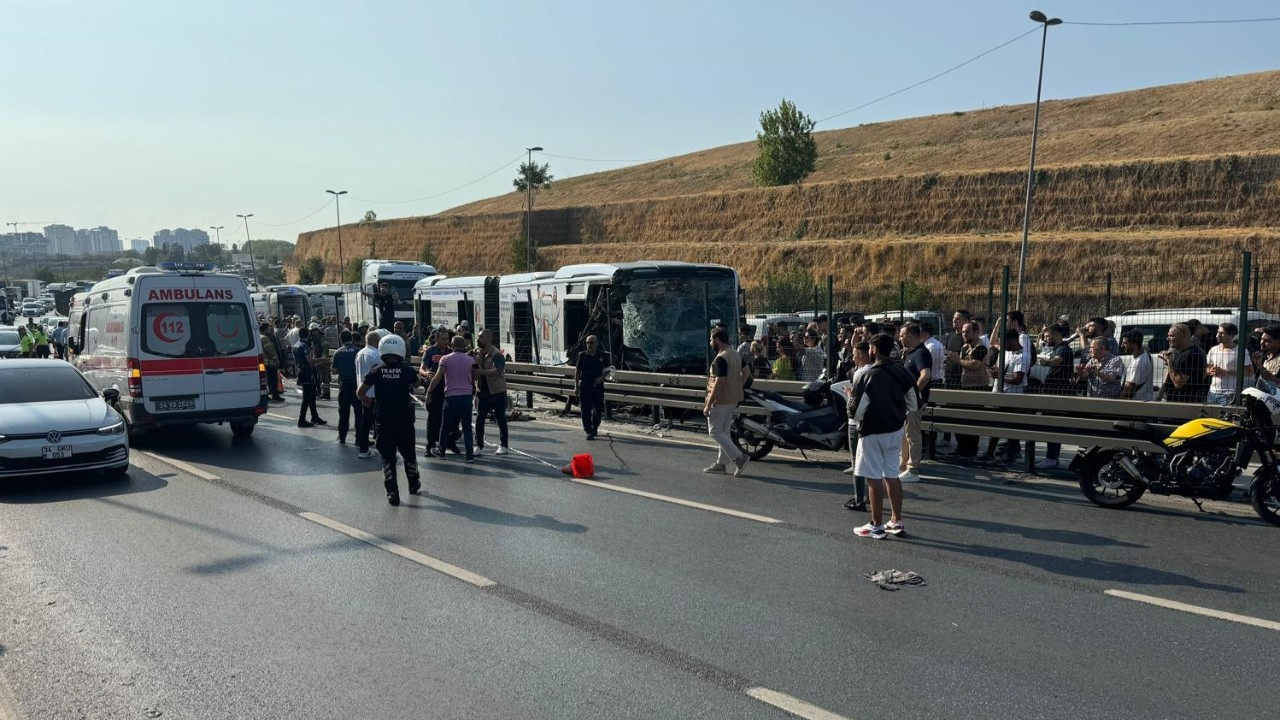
x=54, y=437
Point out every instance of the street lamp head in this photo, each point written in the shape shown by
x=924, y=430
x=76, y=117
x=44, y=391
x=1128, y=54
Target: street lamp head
x=1037, y=16
x=534, y=149
x=244, y=216
x=1054, y=21
x=336, y=192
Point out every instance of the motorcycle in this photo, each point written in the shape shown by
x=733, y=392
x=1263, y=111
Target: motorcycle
x=816, y=423
x=1199, y=459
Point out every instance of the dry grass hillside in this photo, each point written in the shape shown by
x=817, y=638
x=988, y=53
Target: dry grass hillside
x=1144, y=182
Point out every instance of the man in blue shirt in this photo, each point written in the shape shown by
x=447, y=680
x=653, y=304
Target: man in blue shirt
x=344, y=361
x=60, y=340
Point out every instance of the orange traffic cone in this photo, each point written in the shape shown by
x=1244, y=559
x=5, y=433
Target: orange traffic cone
x=582, y=466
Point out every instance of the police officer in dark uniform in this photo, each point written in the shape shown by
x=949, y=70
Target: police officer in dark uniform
x=393, y=381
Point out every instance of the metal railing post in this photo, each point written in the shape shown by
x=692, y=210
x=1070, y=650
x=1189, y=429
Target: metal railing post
x=1108, y=312
x=831, y=323
x=1004, y=327
x=1243, y=324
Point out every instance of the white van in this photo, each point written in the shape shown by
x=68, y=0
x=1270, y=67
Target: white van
x=1154, y=326
x=179, y=343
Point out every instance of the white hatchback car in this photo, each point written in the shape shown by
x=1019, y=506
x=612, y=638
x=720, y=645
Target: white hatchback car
x=52, y=421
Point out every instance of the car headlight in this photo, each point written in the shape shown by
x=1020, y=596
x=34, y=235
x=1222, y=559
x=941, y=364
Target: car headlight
x=113, y=429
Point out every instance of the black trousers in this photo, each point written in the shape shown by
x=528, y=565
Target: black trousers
x=592, y=401
x=364, y=423
x=398, y=438
x=308, y=403
x=273, y=381
x=347, y=404
x=498, y=404
x=435, y=415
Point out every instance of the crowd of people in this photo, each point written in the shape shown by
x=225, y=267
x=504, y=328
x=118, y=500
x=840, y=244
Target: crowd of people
x=890, y=369
x=34, y=341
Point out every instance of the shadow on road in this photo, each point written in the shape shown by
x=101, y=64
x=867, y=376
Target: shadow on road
x=80, y=486
x=482, y=514
x=1057, y=535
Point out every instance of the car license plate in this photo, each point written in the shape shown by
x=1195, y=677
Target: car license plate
x=56, y=452
x=166, y=405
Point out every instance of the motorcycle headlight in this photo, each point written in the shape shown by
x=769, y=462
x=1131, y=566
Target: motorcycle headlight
x=112, y=429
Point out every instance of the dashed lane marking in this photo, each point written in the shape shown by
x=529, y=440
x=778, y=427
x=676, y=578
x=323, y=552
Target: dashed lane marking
x=793, y=705
x=412, y=555
x=1195, y=609
x=185, y=467
x=679, y=501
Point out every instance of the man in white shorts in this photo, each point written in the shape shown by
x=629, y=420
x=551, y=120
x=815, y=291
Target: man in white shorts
x=881, y=400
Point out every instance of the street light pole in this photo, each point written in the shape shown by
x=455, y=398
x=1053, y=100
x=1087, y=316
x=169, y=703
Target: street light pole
x=1036, y=16
x=337, y=206
x=217, y=230
x=528, y=213
x=248, y=243
x=5, y=260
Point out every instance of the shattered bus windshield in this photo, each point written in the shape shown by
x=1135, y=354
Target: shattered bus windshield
x=666, y=321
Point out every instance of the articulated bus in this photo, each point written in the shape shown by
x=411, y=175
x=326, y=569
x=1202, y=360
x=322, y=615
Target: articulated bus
x=650, y=316
x=327, y=300
x=401, y=276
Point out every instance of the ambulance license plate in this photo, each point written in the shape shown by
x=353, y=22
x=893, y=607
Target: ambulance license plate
x=168, y=405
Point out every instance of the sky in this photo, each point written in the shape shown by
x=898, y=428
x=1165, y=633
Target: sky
x=143, y=115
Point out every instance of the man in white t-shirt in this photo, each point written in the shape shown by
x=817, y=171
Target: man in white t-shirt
x=1016, y=369
x=1221, y=366
x=1138, y=375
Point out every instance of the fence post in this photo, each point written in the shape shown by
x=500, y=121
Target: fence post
x=1257, y=276
x=1108, y=312
x=1243, y=324
x=991, y=302
x=706, y=321
x=815, y=301
x=1004, y=327
x=902, y=300
x=831, y=327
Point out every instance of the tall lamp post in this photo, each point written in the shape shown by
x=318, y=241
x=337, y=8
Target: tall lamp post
x=5, y=261
x=1036, y=16
x=217, y=231
x=248, y=243
x=528, y=213
x=337, y=206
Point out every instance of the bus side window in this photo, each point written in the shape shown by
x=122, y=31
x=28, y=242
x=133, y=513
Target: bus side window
x=575, y=321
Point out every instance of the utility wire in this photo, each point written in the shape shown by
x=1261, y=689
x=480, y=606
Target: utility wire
x=570, y=157
x=295, y=222
x=1174, y=22
x=951, y=69
x=504, y=166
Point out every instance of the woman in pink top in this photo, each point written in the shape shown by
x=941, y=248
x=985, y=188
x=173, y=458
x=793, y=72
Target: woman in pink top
x=458, y=373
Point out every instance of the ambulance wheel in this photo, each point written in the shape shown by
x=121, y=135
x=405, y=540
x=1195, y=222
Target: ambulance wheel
x=242, y=429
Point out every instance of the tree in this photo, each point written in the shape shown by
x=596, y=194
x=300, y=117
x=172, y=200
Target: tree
x=788, y=290
x=428, y=254
x=45, y=275
x=352, y=272
x=175, y=253
x=151, y=255
x=539, y=175
x=311, y=271
x=235, y=249
x=370, y=216
x=787, y=152
x=519, y=254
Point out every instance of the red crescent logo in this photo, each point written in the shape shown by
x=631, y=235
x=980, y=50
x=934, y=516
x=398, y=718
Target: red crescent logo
x=157, y=325
x=222, y=331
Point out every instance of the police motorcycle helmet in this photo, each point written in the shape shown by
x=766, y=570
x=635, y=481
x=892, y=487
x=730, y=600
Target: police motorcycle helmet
x=392, y=345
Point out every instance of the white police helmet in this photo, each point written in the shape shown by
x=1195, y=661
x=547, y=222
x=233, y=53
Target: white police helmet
x=392, y=345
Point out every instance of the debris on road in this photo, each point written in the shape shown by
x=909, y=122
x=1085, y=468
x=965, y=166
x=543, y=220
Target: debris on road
x=895, y=579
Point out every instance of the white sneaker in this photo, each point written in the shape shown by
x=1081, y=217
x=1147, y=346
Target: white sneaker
x=848, y=470
x=713, y=468
x=738, y=470
x=501, y=451
x=365, y=455
x=1047, y=464
x=479, y=450
x=907, y=476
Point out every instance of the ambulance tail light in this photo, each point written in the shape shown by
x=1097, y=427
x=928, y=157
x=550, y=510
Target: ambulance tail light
x=262, y=374
x=135, y=377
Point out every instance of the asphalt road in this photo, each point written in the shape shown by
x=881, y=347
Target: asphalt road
x=221, y=580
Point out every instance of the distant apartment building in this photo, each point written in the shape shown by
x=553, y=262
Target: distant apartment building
x=101, y=240
x=182, y=237
x=24, y=244
x=62, y=240
x=139, y=245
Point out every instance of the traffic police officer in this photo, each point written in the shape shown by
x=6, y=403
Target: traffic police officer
x=392, y=382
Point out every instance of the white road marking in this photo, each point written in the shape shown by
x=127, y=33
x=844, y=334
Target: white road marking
x=280, y=417
x=793, y=705
x=678, y=501
x=181, y=466
x=1195, y=609
x=413, y=555
x=8, y=706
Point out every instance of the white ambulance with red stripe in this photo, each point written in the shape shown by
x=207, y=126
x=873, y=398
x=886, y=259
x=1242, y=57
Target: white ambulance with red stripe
x=180, y=343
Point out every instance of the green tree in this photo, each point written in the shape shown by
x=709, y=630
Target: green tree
x=787, y=152
x=45, y=275
x=151, y=255
x=539, y=175
x=370, y=216
x=519, y=254
x=788, y=290
x=428, y=254
x=352, y=272
x=311, y=271
x=175, y=253
x=908, y=294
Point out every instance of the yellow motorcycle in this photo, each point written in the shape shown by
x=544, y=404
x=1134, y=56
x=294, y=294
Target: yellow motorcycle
x=1200, y=459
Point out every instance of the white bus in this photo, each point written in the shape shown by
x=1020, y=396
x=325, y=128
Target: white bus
x=327, y=300
x=651, y=316
x=400, y=276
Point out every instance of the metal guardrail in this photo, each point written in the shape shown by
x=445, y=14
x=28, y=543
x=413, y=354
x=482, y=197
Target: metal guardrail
x=1031, y=418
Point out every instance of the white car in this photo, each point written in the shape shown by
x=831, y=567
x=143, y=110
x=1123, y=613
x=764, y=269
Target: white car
x=10, y=345
x=53, y=421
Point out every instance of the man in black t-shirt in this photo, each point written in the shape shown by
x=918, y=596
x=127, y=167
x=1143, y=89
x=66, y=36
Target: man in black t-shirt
x=1060, y=362
x=1185, y=379
x=392, y=382
x=588, y=380
x=385, y=303
x=918, y=362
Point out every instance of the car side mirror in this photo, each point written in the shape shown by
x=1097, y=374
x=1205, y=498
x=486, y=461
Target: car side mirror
x=111, y=395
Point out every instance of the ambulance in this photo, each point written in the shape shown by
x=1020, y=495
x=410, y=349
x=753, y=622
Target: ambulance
x=178, y=343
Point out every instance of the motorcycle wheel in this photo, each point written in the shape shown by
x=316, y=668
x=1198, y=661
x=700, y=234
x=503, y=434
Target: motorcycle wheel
x=748, y=442
x=1264, y=495
x=1106, y=483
